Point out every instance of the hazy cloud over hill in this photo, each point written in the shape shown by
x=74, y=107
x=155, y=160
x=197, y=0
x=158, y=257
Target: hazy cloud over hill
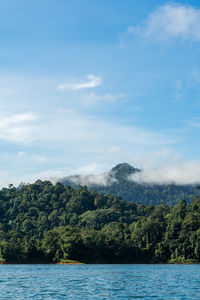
x=180, y=174
x=103, y=179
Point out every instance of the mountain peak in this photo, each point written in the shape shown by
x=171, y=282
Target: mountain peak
x=122, y=170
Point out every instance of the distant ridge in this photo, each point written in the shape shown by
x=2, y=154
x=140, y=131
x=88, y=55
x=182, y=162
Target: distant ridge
x=116, y=181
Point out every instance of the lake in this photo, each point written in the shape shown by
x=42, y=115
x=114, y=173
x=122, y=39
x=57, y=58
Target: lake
x=99, y=282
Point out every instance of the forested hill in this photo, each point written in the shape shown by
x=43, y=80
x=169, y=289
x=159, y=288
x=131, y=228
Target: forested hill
x=48, y=223
x=118, y=184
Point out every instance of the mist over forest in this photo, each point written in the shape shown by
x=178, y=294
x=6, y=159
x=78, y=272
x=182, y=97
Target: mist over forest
x=129, y=183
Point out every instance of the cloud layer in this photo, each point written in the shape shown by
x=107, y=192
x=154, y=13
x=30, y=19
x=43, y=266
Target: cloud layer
x=91, y=81
x=44, y=139
x=182, y=174
x=90, y=180
x=17, y=127
x=170, y=21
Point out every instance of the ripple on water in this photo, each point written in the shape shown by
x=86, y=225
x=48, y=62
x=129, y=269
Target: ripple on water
x=100, y=282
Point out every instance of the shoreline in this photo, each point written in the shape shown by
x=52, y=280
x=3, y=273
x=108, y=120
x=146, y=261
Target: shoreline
x=81, y=263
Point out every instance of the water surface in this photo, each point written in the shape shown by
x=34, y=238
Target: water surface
x=99, y=282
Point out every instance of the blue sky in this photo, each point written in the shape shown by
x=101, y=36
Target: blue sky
x=87, y=84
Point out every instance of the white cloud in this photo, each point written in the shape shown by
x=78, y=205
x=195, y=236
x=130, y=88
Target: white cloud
x=73, y=129
x=72, y=139
x=16, y=119
x=90, y=180
x=54, y=175
x=170, y=21
x=16, y=128
x=88, y=175
x=181, y=173
x=90, y=99
x=91, y=81
x=166, y=167
x=50, y=174
x=66, y=137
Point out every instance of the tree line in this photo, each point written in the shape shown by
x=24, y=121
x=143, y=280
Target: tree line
x=46, y=223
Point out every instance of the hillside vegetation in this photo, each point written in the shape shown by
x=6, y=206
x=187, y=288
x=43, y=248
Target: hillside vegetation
x=42, y=222
x=119, y=184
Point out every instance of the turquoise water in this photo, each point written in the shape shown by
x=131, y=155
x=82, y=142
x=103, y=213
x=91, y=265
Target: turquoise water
x=99, y=282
